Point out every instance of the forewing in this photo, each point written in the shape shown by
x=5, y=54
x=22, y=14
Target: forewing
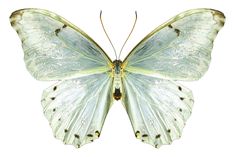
x=179, y=49
x=76, y=108
x=54, y=48
x=157, y=108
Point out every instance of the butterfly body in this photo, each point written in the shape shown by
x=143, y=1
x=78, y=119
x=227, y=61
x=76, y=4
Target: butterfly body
x=117, y=76
x=145, y=81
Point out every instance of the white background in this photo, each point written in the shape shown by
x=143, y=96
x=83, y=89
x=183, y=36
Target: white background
x=210, y=131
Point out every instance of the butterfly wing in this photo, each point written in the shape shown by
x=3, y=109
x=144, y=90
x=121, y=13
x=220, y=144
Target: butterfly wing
x=179, y=49
x=157, y=108
x=76, y=108
x=54, y=48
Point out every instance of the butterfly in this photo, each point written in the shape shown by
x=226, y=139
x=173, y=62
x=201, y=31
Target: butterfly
x=145, y=81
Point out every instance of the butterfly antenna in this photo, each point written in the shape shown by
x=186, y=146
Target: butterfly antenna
x=107, y=35
x=136, y=16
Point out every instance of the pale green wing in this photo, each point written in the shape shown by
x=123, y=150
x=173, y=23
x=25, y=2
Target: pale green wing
x=179, y=49
x=157, y=108
x=54, y=48
x=76, y=108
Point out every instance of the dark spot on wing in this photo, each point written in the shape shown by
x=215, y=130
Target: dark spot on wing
x=181, y=98
x=23, y=40
x=57, y=31
x=145, y=135
x=170, y=26
x=54, y=88
x=90, y=135
x=65, y=130
x=54, y=110
x=97, y=133
x=158, y=136
x=64, y=26
x=78, y=145
x=180, y=110
x=53, y=98
x=91, y=140
x=59, y=119
x=137, y=133
x=177, y=31
x=76, y=136
x=221, y=23
x=179, y=88
x=13, y=23
x=175, y=119
x=156, y=145
x=168, y=130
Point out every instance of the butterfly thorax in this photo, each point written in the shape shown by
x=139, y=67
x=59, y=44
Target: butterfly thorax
x=117, y=73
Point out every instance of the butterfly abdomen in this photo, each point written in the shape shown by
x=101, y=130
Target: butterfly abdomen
x=117, y=70
x=117, y=94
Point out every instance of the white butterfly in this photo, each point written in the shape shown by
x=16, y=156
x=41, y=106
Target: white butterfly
x=89, y=81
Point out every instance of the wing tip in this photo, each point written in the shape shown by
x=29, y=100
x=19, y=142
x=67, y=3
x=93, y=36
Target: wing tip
x=219, y=17
x=217, y=12
x=15, y=16
x=18, y=13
